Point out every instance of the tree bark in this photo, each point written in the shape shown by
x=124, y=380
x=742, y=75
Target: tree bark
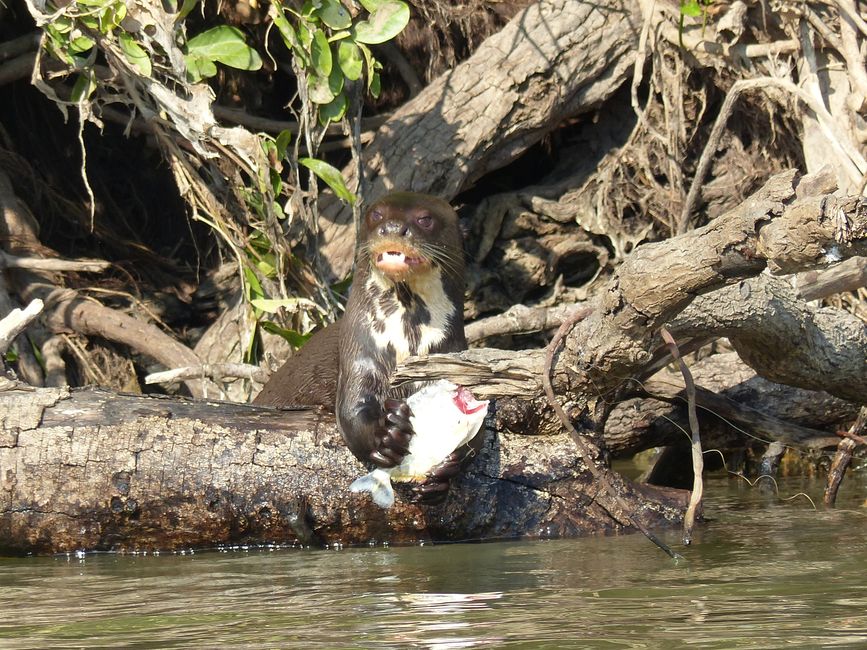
x=94, y=470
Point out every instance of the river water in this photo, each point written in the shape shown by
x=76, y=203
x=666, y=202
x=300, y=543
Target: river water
x=762, y=573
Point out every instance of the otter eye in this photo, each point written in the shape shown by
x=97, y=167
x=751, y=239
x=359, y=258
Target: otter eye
x=425, y=221
x=376, y=216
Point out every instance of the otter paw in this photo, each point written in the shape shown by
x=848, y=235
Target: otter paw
x=436, y=486
x=394, y=436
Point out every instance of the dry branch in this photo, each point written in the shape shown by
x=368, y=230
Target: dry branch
x=16, y=321
x=65, y=311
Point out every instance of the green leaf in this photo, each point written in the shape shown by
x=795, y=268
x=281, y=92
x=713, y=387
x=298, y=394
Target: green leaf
x=385, y=22
x=349, y=58
x=319, y=89
x=84, y=86
x=334, y=110
x=375, y=85
x=186, y=8
x=282, y=142
x=198, y=68
x=135, y=53
x=80, y=44
x=371, y=5
x=254, y=287
x=276, y=183
x=295, y=339
x=372, y=66
x=331, y=175
x=290, y=38
x=60, y=25
x=323, y=91
x=691, y=8
x=321, y=52
x=334, y=14
x=225, y=44
x=266, y=266
x=112, y=17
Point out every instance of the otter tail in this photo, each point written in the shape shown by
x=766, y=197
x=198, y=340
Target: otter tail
x=378, y=483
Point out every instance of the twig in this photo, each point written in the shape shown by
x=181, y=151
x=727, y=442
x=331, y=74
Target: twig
x=238, y=116
x=854, y=437
x=600, y=473
x=520, y=319
x=214, y=371
x=838, y=470
x=852, y=52
x=697, y=456
x=847, y=8
x=51, y=264
x=16, y=321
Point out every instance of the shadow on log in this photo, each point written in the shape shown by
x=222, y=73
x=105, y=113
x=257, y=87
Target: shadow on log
x=94, y=470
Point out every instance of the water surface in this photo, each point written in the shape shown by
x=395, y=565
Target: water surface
x=762, y=574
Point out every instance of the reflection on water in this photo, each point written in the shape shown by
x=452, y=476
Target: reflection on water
x=762, y=574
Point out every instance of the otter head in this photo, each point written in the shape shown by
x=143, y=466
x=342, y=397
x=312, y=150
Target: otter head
x=405, y=235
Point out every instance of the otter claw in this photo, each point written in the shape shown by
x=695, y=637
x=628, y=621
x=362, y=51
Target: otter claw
x=432, y=492
x=394, y=438
x=384, y=458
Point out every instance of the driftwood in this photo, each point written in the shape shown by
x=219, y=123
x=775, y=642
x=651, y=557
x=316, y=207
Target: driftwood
x=90, y=469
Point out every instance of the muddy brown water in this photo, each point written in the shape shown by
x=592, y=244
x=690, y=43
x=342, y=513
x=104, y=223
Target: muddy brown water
x=763, y=573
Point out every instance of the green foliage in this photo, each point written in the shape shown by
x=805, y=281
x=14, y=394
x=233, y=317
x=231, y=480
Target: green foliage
x=135, y=54
x=223, y=44
x=693, y=8
x=331, y=175
x=295, y=339
x=387, y=19
x=330, y=49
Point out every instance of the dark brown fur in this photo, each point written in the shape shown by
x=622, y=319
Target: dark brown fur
x=356, y=355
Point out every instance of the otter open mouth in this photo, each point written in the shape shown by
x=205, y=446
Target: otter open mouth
x=395, y=261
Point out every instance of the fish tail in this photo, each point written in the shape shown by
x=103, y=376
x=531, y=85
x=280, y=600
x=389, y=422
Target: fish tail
x=378, y=483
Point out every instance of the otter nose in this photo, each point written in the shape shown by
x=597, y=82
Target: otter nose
x=393, y=228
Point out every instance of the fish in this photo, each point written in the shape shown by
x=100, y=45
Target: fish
x=444, y=417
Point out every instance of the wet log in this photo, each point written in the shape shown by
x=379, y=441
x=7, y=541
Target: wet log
x=94, y=470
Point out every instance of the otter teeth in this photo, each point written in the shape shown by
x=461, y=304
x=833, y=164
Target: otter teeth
x=393, y=262
x=392, y=256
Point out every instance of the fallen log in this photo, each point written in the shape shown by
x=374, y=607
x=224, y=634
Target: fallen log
x=94, y=470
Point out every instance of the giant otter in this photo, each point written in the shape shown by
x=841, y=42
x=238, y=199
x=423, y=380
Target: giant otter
x=406, y=299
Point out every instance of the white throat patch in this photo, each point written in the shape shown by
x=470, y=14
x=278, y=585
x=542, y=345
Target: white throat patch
x=429, y=288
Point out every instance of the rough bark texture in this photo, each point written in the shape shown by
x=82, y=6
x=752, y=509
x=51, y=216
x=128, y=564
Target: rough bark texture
x=554, y=60
x=94, y=470
x=786, y=225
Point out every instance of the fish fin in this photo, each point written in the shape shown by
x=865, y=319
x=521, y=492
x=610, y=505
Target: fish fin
x=378, y=483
